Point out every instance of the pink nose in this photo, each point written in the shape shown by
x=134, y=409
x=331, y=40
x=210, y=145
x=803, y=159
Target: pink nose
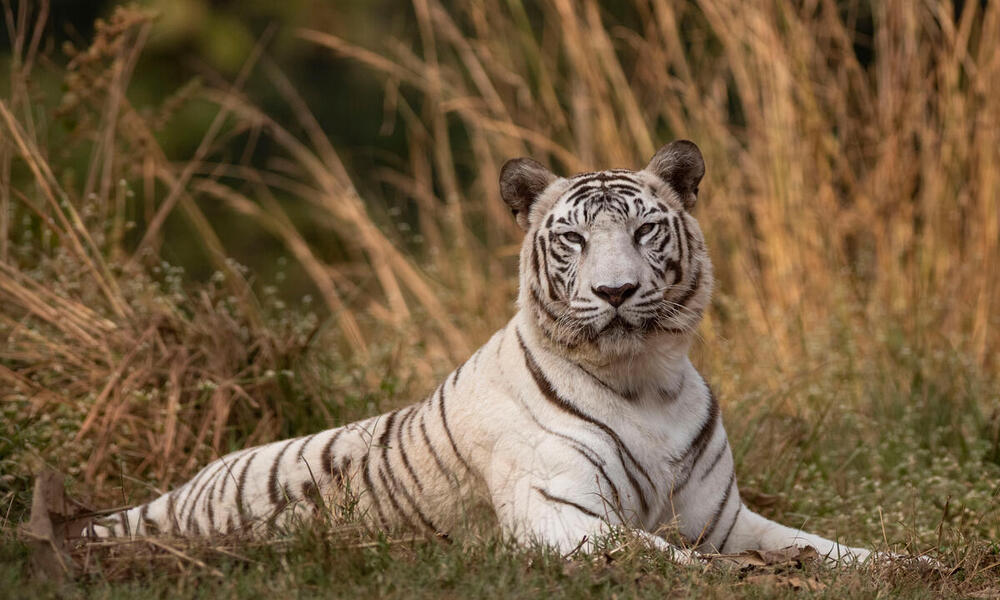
x=615, y=296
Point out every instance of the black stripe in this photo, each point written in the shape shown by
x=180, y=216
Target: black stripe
x=387, y=465
x=725, y=539
x=390, y=494
x=146, y=522
x=622, y=175
x=623, y=188
x=365, y=464
x=447, y=430
x=420, y=515
x=175, y=528
x=229, y=471
x=584, y=450
x=545, y=271
x=407, y=419
x=715, y=461
x=273, y=489
x=302, y=456
x=416, y=509
x=673, y=266
x=681, y=246
x=427, y=440
x=664, y=240
x=383, y=440
x=688, y=294
x=210, y=503
x=580, y=194
x=458, y=373
x=182, y=509
x=327, y=454
x=311, y=494
x=302, y=450
x=718, y=511
x=697, y=446
x=534, y=257
x=560, y=500
x=240, y=484
x=541, y=305
x=196, y=496
x=700, y=441
x=140, y=526
x=688, y=236
x=629, y=395
x=550, y=394
x=646, y=303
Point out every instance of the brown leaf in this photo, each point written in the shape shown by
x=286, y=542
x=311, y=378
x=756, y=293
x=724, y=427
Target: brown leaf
x=49, y=556
x=758, y=500
x=793, y=581
x=763, y=558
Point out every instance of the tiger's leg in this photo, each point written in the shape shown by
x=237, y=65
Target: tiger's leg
x=570, y=527
x=754, y=532
x=555, y=504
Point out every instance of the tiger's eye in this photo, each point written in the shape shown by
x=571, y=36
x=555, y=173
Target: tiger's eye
x=573, y=238
x=643, y=231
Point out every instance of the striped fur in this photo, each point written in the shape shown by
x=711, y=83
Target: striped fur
x=582, y=415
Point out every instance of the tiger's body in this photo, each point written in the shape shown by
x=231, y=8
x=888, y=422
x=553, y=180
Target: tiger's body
x=582, y=415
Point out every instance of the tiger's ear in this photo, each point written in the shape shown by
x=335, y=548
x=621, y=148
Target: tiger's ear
x=681, y=166
x=522, y=180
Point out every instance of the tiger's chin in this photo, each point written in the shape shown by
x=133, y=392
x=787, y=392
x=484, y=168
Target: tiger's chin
x=615, y=339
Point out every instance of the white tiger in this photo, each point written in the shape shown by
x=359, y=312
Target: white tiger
x=582, y=416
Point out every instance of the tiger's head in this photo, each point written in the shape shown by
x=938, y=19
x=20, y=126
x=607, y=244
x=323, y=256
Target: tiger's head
x=612, y=261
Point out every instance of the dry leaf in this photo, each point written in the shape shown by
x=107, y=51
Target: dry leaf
x=795, y=582
x=759, y=500
x=763, y=558
x=49, y=556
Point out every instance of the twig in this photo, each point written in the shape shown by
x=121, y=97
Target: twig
x=163, y=546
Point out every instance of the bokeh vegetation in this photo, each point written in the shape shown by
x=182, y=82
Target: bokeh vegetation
x=221, y=225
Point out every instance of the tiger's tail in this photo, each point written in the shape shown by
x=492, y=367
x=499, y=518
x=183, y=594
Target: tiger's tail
x=238, y=492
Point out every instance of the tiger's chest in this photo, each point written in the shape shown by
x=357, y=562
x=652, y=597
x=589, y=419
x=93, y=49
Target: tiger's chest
x=661, y=437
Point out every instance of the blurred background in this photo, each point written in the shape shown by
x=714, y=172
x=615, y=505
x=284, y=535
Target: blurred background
x=225, y=222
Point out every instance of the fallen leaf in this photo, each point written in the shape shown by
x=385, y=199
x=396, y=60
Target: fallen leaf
x=764, y=558
x=49, y=555
x=759, y=500
x=795, y=582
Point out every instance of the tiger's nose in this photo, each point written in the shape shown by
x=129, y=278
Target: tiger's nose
x=615, y=296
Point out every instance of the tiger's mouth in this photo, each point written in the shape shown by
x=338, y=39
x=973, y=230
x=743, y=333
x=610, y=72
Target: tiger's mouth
x=616, y=324
x=616, y=328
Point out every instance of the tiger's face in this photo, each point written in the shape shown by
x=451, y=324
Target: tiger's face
x=612, y=261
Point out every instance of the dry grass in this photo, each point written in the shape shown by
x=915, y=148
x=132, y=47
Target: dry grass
x=852, y=206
